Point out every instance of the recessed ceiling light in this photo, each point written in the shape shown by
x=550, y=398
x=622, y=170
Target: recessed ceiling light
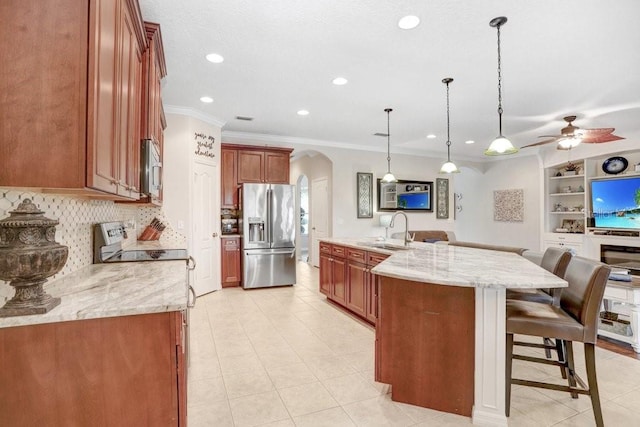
x=408, y=22
x=215, y=58
x=303, y=113
x=431, y=136
x=206, y=99
x=340, y=81
x=471, y=141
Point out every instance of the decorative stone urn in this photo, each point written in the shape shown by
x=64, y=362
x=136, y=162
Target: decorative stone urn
x=28, y=255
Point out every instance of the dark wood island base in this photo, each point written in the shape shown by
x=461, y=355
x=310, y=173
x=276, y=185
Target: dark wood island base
x=425, y=341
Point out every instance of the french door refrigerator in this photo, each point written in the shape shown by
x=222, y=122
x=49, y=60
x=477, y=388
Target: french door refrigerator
x=268, y=235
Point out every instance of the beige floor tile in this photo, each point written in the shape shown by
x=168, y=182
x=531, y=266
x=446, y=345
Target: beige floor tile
x=236, y=346
x=237, y=364
x=201, y=368
x=334, y=417
x=416, y=413
x=279, y=357
x=329, y=367
x=350, y=388
x=612, y=414
x=378, y=411
x=216, y=414
x=291, y=375
x=246, y=383
x=205, y=391
x=258, y=409
x=307, y=398
x=630, y=400
x=538, y=406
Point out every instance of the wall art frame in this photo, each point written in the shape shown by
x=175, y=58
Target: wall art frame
x=364, y=200
x=442, y=201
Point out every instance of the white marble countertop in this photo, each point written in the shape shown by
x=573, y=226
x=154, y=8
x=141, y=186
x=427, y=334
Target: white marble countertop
x=456, y=265
x=110, y=290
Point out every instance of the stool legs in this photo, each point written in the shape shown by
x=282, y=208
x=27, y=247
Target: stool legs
x=507, y=374
x=590, y=359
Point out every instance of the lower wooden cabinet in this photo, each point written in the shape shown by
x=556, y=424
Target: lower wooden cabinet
x=127, y=370
x=231, y=261
x=346, y=278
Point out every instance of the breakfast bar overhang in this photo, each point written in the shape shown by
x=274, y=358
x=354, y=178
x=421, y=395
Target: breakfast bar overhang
x=432, y=300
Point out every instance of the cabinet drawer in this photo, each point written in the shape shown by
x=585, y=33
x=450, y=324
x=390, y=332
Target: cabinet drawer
x=375, y=258
x=338, y=251
x=357, y=255
x=325, y=248
x=231, y=243
x=618, y=294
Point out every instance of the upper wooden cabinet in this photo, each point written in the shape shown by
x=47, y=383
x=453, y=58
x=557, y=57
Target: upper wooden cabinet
x=266, y=165
x=154, y=69
x=248, y=164
x=69, y=114
x=229, y=178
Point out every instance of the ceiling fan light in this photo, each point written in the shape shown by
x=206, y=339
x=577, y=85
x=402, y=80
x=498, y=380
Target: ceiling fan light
x=388, y=177
x=568, y=143
x=500, y=146
x=449, y=167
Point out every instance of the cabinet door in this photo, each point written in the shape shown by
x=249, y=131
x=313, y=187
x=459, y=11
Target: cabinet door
x=181, y=366
x=357, y=278
x=128, y=122
x=230, y=261
x=102, y=149
x=325, y=274
x=250, y=166
x=229, y=179
x=339, y=289
x=276, y=167
x=371, y=309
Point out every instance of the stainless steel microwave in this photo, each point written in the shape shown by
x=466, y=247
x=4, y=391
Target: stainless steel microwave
x=151, y=169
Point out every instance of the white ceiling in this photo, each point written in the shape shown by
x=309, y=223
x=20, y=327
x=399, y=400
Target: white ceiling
x=559, y=58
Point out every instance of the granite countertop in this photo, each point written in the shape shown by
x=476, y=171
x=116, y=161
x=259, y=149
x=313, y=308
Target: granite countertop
x=456, y=265
x=110, y=290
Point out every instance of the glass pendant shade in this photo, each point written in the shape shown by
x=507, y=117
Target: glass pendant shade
x=500, y=146
x=449, y=167
x=569, y=143
x=388, y=177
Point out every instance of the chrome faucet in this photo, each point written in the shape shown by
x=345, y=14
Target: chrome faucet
x=407, y=239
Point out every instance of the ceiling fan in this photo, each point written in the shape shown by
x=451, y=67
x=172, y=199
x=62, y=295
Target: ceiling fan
x=570, y=136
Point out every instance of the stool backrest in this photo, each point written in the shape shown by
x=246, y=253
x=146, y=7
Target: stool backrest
x=587, y=280
x=556, y=261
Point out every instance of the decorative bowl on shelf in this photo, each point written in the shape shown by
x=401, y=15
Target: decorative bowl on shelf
x=29, y=255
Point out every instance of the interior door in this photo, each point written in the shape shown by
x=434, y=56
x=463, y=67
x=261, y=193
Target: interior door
x=319, y=216
x=205, y=238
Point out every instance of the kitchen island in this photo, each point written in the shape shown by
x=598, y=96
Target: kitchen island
x=112, y=352
x=440, y=331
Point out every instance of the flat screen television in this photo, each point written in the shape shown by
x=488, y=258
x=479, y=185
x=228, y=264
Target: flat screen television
x=615, y=202
x=405, y=196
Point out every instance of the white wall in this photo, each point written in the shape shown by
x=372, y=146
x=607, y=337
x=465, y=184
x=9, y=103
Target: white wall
x=475, y=222
x=179, y=148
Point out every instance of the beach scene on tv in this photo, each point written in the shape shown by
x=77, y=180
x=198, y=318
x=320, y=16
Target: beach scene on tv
x=616, y=203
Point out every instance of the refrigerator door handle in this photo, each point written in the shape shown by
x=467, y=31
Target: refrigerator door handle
x=255, y=252
x=270, y=217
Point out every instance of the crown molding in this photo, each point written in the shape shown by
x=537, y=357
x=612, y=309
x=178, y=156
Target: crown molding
x=196, y=114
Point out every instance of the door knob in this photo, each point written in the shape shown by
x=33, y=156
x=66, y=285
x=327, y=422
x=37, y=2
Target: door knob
x=214, y=234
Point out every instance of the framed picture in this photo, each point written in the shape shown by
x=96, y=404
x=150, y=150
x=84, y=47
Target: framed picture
x=364, y=185
x=442, y=190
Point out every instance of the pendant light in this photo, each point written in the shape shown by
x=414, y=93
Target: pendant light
x=388, y=177
x=448, y=166
x=500, y=145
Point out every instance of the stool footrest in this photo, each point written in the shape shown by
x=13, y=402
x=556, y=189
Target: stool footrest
x=538, y=360
x=549, y=386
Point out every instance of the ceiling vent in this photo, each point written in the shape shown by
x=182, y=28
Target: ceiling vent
x=381, y=134
x=245, y=118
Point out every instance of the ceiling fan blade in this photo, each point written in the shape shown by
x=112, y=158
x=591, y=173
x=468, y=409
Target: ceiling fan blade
x=597, y=139
x=597, y=131
x=546, y=141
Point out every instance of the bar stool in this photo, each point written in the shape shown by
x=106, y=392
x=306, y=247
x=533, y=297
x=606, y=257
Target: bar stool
x=575, y=319
x=554, y=260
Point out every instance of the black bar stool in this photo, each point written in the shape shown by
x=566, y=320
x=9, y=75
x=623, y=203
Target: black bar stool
x=574, y=320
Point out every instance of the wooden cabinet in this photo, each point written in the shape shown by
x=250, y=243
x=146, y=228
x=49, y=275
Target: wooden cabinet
x=276, y=167
x=154, y=69
x=126, y=370
x=333, y=273
x=346, y=278
x=231, y=258
x=71, y=96
x=229, y=178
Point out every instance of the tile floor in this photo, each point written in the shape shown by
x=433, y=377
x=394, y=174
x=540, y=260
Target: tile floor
x=285, y=357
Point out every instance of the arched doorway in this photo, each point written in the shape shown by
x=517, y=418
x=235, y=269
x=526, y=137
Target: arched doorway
x=303, y=215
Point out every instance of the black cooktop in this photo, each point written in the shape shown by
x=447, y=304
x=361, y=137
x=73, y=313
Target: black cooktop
x=149, y=255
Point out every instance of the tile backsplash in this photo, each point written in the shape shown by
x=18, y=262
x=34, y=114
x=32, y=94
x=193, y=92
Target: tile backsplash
x=77, y=217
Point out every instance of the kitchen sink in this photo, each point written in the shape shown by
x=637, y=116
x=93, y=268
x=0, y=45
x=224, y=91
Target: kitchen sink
x=384, y=245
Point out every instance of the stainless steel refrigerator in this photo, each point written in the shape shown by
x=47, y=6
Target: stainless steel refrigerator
x=268, y=235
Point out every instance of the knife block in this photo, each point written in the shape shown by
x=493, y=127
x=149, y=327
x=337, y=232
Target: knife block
x=152, y=231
